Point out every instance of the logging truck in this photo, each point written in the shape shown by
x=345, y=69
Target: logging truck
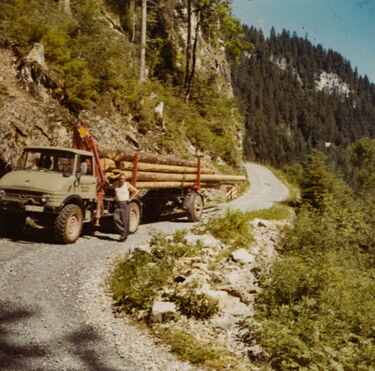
x=63, y=188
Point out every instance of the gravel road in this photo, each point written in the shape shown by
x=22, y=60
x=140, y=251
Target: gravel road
x=55, y=314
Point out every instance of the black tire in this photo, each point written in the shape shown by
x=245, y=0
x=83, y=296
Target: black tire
x=194, y=206
x=3, y=230
x=134, y=216
x=68, y=224
x=12, y=225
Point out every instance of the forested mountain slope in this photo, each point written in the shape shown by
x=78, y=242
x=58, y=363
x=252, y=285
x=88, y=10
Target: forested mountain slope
x=297, y=96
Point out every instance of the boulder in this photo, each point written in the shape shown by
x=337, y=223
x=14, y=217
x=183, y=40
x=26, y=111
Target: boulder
x=224, y=323
x=215, y=295
x=206, y=240
x=162, y=309
x=232, y=306
x=242, y=256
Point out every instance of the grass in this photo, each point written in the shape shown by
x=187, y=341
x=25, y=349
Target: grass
x=188, y=348
x=232, y=228
x=294, y=192
x=276, y=212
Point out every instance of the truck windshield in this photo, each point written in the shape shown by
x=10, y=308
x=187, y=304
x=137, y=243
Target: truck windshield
x=47, y=160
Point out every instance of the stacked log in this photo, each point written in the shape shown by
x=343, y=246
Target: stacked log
x=118, y=156
x=154, y=171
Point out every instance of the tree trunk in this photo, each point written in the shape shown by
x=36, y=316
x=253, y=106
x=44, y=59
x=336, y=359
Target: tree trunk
x=64, y=6
x=163, y=177
x=127, y=165
x=117, y=155
x=131, y=19
x=165, y=185
x=188, y=44
x=142, y=73
x=194, y=57
x=207, y=179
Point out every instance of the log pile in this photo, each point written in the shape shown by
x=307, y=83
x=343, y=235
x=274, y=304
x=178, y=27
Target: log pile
x=154, y=171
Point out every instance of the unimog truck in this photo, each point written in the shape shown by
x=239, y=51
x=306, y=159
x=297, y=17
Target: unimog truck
x=57, y=188
x=62, y=188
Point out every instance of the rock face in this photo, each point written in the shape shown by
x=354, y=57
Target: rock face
x=331, y=82
x=26, y=119
x=31, y=112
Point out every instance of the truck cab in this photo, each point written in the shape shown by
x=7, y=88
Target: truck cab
x=46, y=183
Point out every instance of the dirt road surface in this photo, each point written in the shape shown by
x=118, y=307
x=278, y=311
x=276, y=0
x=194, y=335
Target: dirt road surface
x=53, y=318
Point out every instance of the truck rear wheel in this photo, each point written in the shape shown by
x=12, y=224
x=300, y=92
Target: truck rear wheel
x=134, y=217
x=68, y=224
x=194, y=206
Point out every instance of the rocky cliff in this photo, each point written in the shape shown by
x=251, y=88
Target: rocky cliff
x=36, y=104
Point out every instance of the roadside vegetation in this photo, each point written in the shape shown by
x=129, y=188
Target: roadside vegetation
x=148, y=275
x=317, y=306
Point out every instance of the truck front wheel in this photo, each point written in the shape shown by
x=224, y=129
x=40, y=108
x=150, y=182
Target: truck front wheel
x=11, y=225
x=68, y=224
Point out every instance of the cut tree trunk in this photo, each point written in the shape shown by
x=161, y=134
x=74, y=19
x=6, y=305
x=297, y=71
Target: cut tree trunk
x=163, y=185
x=125, y=165
x=117, y=156
x=147, y=176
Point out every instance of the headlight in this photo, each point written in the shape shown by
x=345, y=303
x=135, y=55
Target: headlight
x=45, y=198
x=2, y=194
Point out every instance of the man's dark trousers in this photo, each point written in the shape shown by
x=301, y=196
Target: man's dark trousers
x=121, y=217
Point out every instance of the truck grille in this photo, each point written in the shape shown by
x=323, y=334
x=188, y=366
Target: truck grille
x=23, y=196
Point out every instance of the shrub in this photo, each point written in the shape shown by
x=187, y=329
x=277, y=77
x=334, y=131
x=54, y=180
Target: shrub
x=316, y=309
x=233, y=228
x=318, y=313
x=137, y=280
x=195, y=305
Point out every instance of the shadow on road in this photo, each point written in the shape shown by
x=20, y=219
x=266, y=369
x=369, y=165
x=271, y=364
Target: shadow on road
x=44, y=236
x=17, y=351
x=84, y=341
x=13, y=355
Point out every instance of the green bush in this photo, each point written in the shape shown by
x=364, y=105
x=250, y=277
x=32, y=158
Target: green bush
x=194, y=305
x=233, y=228
x=318, y=313
x=136, y=281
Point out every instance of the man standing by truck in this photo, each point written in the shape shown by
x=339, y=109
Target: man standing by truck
x=125, y=193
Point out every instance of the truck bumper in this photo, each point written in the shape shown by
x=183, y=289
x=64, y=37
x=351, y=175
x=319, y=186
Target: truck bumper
x=9, y=207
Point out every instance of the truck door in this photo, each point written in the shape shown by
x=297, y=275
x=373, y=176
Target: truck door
x=85, y=184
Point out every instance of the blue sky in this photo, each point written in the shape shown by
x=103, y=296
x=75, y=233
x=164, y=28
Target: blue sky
x=346, y=26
